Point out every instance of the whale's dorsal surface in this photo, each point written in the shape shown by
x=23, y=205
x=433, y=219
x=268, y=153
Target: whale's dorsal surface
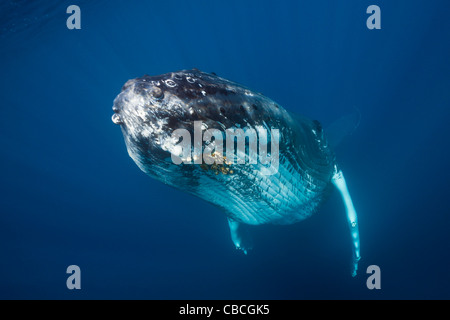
x=277, y=169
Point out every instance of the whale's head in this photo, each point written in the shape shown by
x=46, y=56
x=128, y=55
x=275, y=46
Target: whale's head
x=150, y=109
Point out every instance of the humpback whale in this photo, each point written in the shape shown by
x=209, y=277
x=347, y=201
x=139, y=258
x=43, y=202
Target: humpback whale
x=150, y=109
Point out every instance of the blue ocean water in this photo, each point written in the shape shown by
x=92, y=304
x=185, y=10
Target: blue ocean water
x=70, y=195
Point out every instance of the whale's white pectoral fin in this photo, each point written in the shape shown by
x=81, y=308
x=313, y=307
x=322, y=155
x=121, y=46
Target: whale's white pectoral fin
x=240, y=236
x=338, y=181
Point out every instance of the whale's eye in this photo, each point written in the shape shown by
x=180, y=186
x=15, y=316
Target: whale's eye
x=157, y=93
x=222, y=110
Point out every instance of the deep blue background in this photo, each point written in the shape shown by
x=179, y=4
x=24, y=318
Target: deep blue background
x=71, y=195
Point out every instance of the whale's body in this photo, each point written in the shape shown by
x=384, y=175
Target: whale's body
x=149, y=109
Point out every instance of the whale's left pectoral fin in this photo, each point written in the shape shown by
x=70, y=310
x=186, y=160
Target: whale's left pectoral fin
x=240, y=236
x=338, y=181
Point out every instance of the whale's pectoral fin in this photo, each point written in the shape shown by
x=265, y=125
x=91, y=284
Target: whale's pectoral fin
x=240, y=236
x=338, y=181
